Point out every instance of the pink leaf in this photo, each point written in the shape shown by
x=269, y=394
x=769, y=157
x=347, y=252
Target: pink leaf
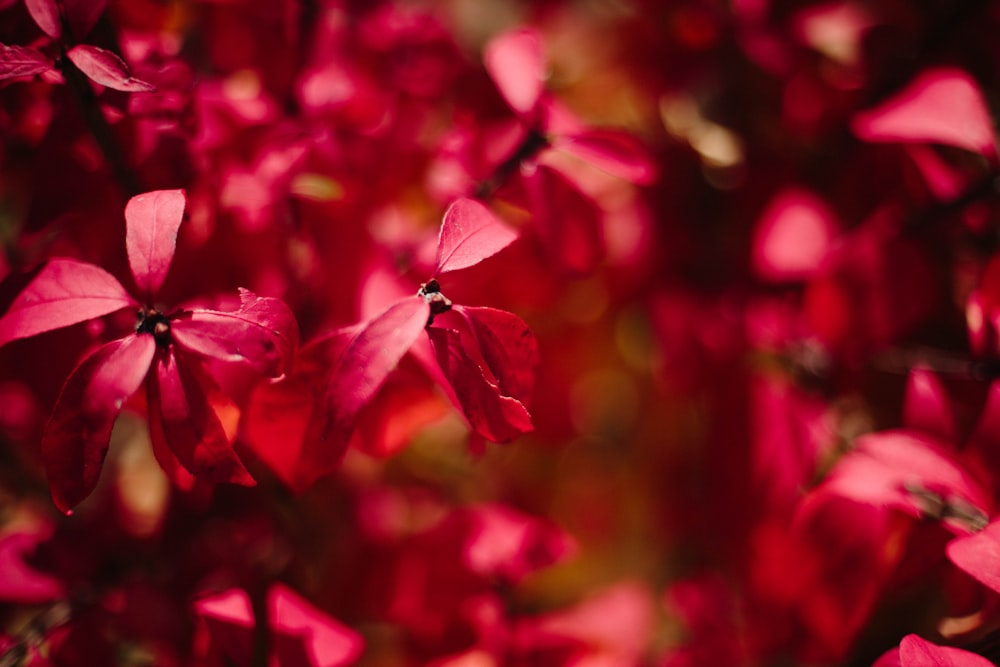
x=21, y=61
x=508, y=347
x=21, y=583
x=927, y=407
x=793, y=235
x=106, y=68
x=617, y=153
x=942, y=105
x=262, y=333
x=197, y=420
x=76, y=436
x=917, y=652
x=514, y=61
x=496, y=417
x=46, y=15
x=151, y=223
x=303, y=636
x=64, y=292
x=369, y=358
x=469, y=234
x=979, y=554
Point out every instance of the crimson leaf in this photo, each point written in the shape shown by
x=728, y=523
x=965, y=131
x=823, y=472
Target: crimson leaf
x=106, y=68
x=469, y=234
x=64, y=292
x=151, y=223
x=76, y=436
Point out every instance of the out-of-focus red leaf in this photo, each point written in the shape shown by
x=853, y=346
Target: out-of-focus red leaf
x=151, y=223
x=926, y=406
x=198, y=421
x=469, y=234
x=76, y=436
x=793, y=235
x=496, y=417
x=942, y=105
x=508, y=347
x=64, y=292
x=615, y=152
x=567, y=221
x=978, y=554
x=262, y=332
x=908, y=471
x=46, y=15
x=507, y=543
x=369, y=358
x=22, y=61
x=83, y=15
x=21, y=583
x=917, y=652
x=888, y=659
x=302, y=636
x=514, y=61
x=106, y=68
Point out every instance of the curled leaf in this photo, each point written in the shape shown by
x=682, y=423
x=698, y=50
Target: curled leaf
x=64, y=292
x=106, y=68
x=151, y=223
x=75, y=440
x=507, y=346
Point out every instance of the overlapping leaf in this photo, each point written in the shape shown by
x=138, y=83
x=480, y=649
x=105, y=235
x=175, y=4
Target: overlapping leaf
x=21, y=61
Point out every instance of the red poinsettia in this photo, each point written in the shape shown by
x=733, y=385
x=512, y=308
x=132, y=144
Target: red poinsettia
x=485, y=363
x=192, y=421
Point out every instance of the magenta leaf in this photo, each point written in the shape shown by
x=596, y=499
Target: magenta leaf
x=262, y=332
x=302, y=635
x=369, y=358
x=615, y=152
x=64, y=292
x=514, y=61
x=82, y=15
x=20, y=582
x=197, y=420
x=469, y=234
x=978, y=554
x=508, y=347
x=106, y=68
x=496, y=417
x=917, y=652
x=22, y=61
x=942, y=105
x=46, y=14
x=76, y=436
x=151, y=223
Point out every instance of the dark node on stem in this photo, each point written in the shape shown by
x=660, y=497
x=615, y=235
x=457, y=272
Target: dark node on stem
x=152, y=321
x=431, y=293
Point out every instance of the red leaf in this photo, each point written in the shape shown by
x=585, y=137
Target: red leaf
x=197, y=420
x=978, y=554
x=369, y=358
x=508, y=347
x=469, y=234
x=496, y=417
x=514, y=61
x=46, y=15
x=927, y=407
x=567, y=221
x=617, y=153
x=303, y=635
x=917, y=652
x=76, y=436
x=262, y=332
x=942, y=105
x=64, y=292
x=82, y=15
x=21, y=583
x=793, y=235
x=21, y=61
x=106, y=68
x=151, y=223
